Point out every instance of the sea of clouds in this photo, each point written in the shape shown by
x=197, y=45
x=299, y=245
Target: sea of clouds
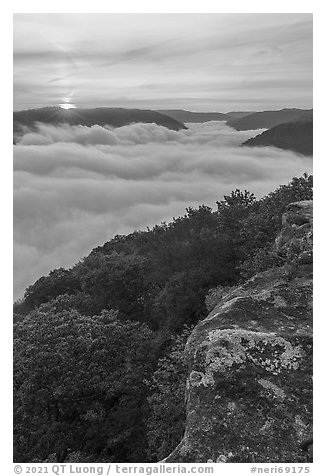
x=76, y=187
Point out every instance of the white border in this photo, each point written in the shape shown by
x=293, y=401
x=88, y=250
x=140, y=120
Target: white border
x=166, y=6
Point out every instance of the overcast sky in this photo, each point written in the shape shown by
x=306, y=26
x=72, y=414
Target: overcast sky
x=199, y=62
x=76, y=187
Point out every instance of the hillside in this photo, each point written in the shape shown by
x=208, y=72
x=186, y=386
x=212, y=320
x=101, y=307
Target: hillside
x=115, y=117
x=188, y=116
x=295, y=136
x=239, y=114
x=268, y=119
x=99, y=368
x=249, y=387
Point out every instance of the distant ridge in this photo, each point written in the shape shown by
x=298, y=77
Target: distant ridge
x=295, y=136
x=239, y=114
x=268, y=119
x=189, y=116
x=115, y=117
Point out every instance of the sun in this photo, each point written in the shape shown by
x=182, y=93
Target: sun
x=67, y=105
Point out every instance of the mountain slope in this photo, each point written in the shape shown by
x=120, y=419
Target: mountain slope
x=295, y=136
x=115, y=117
x=268, y=119
x=239, y=114
x=249, y=387
x=189, y=116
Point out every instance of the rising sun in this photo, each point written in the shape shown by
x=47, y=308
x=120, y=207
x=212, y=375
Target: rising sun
x=67, y=105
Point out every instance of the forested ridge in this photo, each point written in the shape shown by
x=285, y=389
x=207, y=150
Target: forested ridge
x=99, y=373
x=296, y=136
x=102, y=116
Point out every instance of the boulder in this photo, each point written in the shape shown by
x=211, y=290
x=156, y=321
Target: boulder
x=249, y=387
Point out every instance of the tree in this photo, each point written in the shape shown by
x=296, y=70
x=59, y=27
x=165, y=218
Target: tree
x=166, y=400
x=59, y=281
x=161, y=276
x=79, y=385
x=264, y=223
x=115, y=281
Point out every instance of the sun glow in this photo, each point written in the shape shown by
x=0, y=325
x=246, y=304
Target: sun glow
x=67, y=106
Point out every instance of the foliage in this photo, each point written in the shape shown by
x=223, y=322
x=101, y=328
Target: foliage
x=166, y=421
x=115, y=281
x=59, y=281
x=92, y=381
x=265, y=222
x=79, y=385
x=161, y=276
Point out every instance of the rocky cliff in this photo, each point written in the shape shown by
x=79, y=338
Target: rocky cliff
x=249, y=388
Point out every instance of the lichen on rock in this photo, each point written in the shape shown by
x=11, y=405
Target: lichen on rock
x=249, y=389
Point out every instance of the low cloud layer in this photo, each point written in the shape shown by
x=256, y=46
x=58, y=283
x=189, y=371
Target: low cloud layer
x=76, y=187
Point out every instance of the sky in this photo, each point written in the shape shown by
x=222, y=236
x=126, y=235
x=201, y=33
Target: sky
x=292, y=87
x=76, y=187
x=199, y=62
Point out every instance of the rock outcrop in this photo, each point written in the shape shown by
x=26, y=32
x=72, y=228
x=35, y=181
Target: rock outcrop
x=249, y=389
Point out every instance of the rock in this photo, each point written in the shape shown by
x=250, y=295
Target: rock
x=295, y=241
x=299, y=213
x=249, y=388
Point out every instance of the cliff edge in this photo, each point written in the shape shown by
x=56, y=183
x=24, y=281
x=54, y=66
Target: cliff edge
x=249, y=387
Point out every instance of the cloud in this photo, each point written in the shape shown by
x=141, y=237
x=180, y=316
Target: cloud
x=76, y=187
x=192, y=61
